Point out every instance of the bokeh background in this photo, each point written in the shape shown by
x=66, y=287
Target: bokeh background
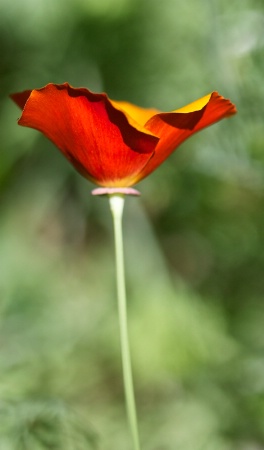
x=194, y=240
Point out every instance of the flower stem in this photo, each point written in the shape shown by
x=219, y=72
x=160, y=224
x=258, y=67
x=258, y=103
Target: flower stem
x=116, y=206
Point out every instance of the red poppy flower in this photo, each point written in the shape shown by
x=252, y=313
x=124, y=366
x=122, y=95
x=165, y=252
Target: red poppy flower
x=113, y=144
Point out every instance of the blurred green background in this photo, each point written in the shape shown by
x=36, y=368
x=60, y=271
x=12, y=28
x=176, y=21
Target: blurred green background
x=194, y=240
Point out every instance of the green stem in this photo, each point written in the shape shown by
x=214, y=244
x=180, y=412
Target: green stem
x=117, y=205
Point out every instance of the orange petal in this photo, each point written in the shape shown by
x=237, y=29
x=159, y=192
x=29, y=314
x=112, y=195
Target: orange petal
x=97, y=138
x=20, y=98
x=175, y=127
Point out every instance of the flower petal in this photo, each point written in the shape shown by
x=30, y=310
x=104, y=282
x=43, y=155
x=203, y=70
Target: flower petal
x=95, y=137
x=134, y=112
x=175, y=127
x=20, y=98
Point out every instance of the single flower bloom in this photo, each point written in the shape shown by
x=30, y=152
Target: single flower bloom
x=114, y=144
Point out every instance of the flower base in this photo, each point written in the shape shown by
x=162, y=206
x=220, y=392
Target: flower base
x=115, y=190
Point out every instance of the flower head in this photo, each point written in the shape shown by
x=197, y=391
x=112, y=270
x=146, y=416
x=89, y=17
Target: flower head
x=114, y=144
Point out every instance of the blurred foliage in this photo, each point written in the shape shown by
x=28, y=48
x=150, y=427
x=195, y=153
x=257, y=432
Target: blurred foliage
x=39, y=426
x=194, y=242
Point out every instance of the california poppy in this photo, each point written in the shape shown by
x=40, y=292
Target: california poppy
x=115, y=145
x=112, y=143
